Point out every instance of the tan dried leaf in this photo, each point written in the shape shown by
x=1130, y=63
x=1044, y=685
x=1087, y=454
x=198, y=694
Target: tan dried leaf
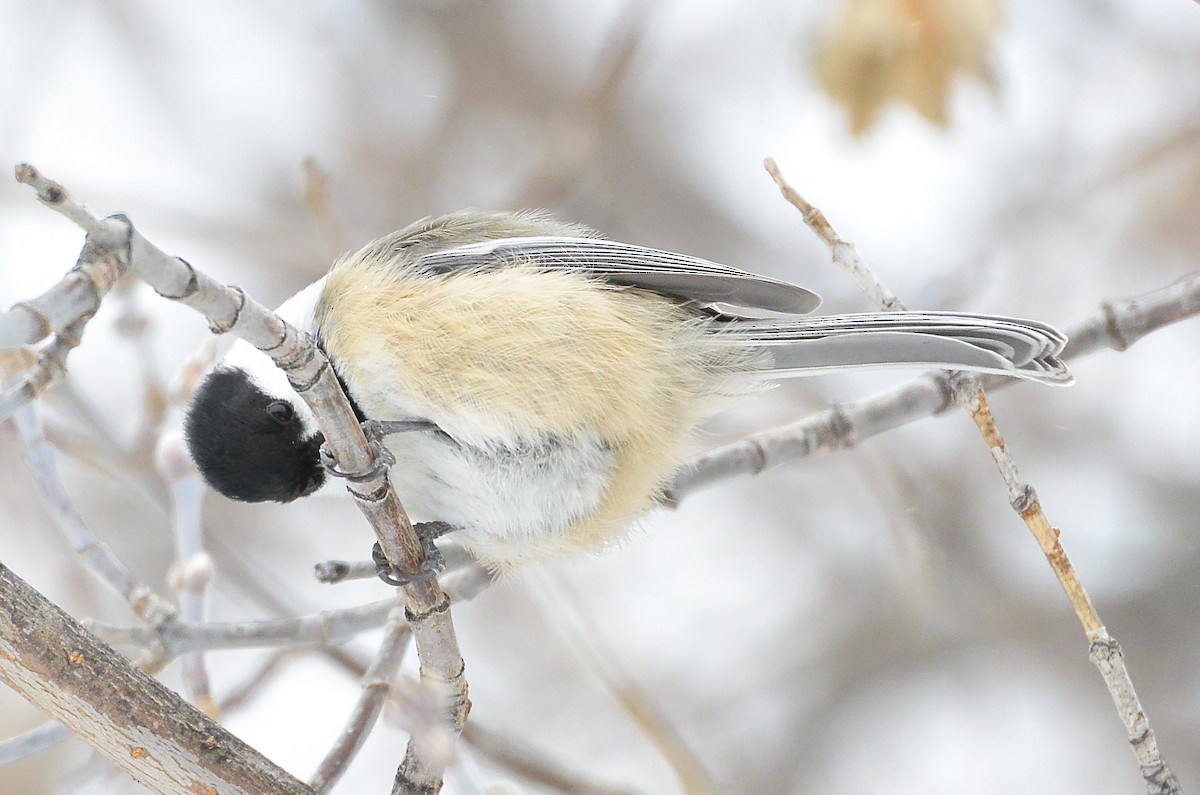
x=908, y=51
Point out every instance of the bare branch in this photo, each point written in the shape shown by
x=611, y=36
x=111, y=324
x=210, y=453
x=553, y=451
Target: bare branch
x=327, y=628
x=845, y=255
x=331, y=572
x=1103, y=650
x=46, y=371
x=133, y=720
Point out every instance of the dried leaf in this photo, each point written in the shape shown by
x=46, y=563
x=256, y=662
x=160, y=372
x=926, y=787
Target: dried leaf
x=908, y=51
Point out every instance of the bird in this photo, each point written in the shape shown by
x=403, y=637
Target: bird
x=549, y=380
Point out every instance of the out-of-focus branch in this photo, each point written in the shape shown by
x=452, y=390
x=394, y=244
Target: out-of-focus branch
x=97, y=558
x=332, y=572
x=229, y=309
x=530, y=764
x=968, y=393
x=376, y=684
x=45, y=372
x=193, y=569
x=575, y=136
x=320, y=207
x=48, y=658
x=638, y=704
x=327, y=628
x=136, y=326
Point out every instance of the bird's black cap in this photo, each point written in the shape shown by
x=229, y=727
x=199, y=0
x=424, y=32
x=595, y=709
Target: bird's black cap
x=249, y=445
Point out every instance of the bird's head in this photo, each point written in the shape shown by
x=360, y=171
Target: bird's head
x=251, y=436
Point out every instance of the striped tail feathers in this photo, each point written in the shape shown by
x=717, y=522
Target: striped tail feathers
x=942, y=340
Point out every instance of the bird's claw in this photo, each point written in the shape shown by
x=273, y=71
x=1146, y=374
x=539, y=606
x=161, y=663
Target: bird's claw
x=431, y=566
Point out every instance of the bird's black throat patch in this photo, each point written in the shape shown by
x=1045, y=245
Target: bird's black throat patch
x=245, y=451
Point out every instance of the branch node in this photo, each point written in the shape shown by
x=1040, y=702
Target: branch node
x=842, y=426
x=45, y=325
x=189, y=289
x=1112, y=324
x=303, y=357
x=941, y=381
x=440, y=607
x=222, y=326
x=1023, y=499
x=375, y=496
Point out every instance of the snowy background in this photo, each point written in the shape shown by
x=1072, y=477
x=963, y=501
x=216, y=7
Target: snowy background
x=872, y=621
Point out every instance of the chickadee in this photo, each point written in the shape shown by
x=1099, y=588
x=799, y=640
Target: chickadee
x=558, y=375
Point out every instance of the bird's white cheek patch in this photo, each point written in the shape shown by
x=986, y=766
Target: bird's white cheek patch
x=263, y=374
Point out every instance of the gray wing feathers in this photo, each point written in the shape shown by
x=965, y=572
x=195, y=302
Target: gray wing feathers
x=665, y=272
x=795, y=346
x=946, y=340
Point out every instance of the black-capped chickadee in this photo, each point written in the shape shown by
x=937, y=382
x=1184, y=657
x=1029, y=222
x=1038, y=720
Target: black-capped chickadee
x=559, y=375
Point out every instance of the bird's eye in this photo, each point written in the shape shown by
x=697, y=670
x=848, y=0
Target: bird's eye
x=281, y=411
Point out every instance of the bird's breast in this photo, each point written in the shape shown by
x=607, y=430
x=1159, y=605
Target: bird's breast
x=523, y=493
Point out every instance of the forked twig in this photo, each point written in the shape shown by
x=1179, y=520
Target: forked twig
x=968, y=394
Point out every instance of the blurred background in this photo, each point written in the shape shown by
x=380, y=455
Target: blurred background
x=875, y=620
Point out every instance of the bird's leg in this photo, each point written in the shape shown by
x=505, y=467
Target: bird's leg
x=378, y=429
x=375, y=431
x=430, y=568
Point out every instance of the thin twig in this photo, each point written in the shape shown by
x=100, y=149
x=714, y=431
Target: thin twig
x=332, y=572
x=97, y=558
x=34, y=741
x=375, y=686
x=1103, y=650
x=46, y=371
x=530, y=764
x=639, y=705
x=968, y=393
x=193, y=569
x=327, y=628
x=845, y=255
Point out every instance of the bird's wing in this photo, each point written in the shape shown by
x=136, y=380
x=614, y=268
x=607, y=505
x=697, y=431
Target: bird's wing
x=667, y=273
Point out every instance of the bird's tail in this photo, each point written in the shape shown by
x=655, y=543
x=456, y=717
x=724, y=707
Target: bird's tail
x=945, y=340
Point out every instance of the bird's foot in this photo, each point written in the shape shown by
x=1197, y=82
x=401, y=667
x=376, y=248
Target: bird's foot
x=431, y=567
